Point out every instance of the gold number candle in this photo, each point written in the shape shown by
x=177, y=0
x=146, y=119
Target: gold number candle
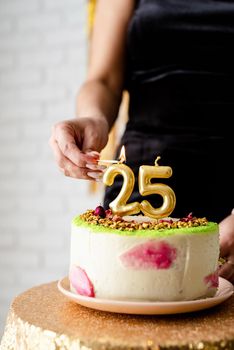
x=119, y=205
x=146, y=174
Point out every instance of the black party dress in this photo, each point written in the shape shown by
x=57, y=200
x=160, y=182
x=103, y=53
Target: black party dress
x=180, y=78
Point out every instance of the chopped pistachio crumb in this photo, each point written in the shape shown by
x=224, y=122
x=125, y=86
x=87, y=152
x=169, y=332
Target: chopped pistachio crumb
x=118, y=223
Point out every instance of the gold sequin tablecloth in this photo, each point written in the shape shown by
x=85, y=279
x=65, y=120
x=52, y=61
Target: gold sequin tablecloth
x=43, y=318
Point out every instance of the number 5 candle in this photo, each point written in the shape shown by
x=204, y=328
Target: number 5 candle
x=146, y=187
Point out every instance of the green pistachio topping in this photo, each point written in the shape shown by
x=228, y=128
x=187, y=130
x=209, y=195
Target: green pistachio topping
x=155, y=228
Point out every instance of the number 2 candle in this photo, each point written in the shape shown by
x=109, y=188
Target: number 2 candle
x=119, y=205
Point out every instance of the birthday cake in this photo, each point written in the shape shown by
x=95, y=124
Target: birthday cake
x=140, y=258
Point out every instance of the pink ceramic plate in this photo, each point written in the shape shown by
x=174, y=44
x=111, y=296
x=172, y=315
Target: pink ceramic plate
x=225, y=290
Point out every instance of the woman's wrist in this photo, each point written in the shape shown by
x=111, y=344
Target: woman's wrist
x=97, y=118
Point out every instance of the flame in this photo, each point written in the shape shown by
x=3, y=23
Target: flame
x=122, y=156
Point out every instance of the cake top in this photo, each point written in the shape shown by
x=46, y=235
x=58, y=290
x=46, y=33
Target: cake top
x=104, y=221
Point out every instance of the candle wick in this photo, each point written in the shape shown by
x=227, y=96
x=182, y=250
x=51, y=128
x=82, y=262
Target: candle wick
x=156, y=160
x=121, y=160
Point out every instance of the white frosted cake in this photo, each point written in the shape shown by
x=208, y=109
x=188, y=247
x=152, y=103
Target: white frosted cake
x=139, y=258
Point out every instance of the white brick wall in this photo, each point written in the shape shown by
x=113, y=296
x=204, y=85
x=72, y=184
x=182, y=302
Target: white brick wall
x=42, y=64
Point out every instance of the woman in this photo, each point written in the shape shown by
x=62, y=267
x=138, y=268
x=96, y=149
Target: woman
x=176, y=61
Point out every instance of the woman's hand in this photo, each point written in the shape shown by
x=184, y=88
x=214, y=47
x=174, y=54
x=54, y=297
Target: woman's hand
x=227, y=247
x=76, y=144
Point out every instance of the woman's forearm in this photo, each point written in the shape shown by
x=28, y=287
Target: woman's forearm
x=97, y=100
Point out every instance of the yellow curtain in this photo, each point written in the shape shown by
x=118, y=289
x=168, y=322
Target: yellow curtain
x=91, y=14
x=109, y=151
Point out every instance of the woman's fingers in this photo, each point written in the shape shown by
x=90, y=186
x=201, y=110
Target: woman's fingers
x=95, y=167
x=65, y=138
x=224, y=246
x=227, y=271
x=75, y=144
x=95, y=175
x=226, y=233
x=66, y=166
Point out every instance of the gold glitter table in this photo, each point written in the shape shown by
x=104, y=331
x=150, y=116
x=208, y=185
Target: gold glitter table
x=43, y=318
